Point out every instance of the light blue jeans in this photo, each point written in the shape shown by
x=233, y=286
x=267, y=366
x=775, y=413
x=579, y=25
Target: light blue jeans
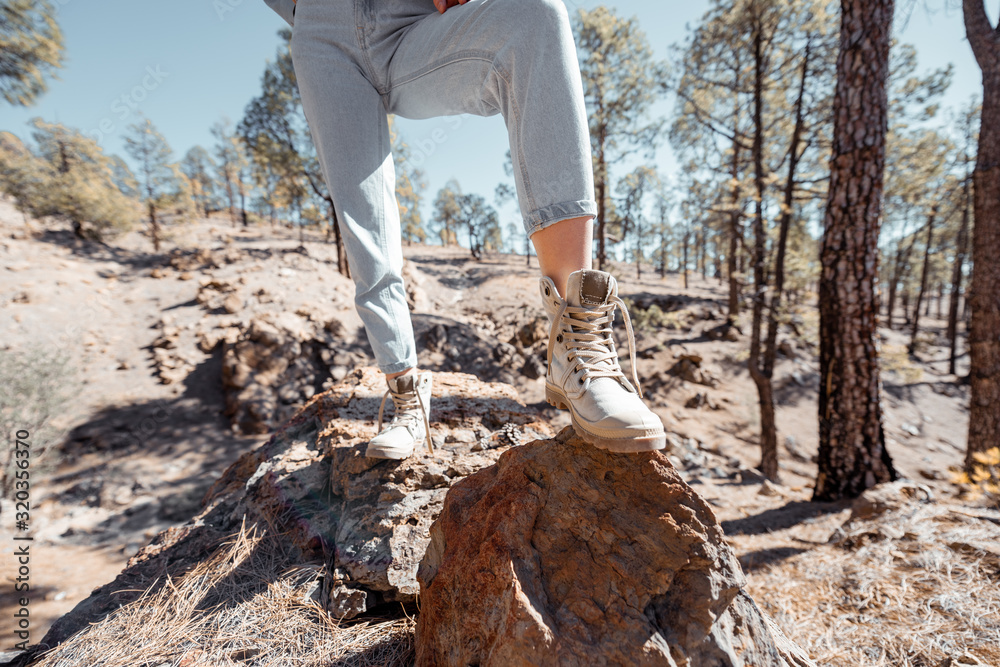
x=356, y=61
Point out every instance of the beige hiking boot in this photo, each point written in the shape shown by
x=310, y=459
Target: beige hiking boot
x=584, y=375
x=411, y=396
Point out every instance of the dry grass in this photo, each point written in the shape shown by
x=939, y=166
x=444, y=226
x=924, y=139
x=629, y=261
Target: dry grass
x=245, y=604
x=896, y=358
x=909, y=589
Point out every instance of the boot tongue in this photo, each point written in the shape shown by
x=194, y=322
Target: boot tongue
x=587, y=288
x=403, y=384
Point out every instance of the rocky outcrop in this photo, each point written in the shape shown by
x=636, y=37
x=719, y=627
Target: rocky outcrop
x=363, y=522
x=274, y=363
x=565, y=554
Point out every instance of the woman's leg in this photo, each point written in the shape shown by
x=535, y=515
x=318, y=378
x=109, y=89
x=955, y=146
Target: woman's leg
x=563, y=248
x=349, y=127
x=484, y=57
x=517, y=57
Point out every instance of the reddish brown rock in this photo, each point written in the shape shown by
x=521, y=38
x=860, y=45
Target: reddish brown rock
x=563, y=554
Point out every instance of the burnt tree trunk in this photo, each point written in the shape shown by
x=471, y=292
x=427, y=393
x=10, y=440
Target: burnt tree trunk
x=684, y=268
x=734, y=235
x=852, y=453
x=912, y=349
x=899, y=266
x=601, y=178
x=962, y=245
x=765, y=391
x=984, y=290
x=154, y=226
x=342, y=265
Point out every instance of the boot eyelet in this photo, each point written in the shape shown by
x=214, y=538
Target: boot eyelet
x=559, y=338
x=547, y=290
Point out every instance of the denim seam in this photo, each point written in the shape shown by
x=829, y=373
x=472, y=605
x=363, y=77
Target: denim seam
x=386, y=292
x=454, y=58
x=363, y=47
x=515, y=109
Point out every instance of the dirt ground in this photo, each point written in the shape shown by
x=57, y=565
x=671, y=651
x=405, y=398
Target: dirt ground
x=135, y=455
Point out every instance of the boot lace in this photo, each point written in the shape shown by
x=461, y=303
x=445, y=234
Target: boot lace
x=409, y=411
x=587, y=334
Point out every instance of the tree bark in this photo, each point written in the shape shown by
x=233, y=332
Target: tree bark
x=734, y=235
x=601, y=177
x=962, y=245
x=687, y=236
x=765, y=392
x=852, y=453
x=984, y=290
x=342, y=266
x=154, y=227
x=898, y=268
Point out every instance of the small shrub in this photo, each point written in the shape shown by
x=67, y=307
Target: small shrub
x=983, y=481
x=35, y=385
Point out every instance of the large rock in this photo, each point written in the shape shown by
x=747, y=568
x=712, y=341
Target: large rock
x=563, y=554
x=363, y=522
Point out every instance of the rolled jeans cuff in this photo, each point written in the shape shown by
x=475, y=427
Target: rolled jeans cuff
x=399, y=366
x=545, y=217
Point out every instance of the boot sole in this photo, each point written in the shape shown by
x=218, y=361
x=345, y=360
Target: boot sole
x=386, y=453
x=556, y=399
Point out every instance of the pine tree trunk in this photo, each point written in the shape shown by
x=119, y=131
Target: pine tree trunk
x=912, y=349
x=154, y=227
x=687, y=235
x=342, y=265
x=962, y=247
x=852, y=453
x=984, y=290
x=761, y=378
x=601, y=178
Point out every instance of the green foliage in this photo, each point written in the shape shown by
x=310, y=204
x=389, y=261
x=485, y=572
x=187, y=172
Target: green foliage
x=447, y=212
x=198, y=166
x=655, y=318
x=162, y=185
x=633, y=188
x=68, y=177
x=621, y=82
x=31, y=49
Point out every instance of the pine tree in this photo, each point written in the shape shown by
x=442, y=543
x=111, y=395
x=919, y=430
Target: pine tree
x=162, y=184
x=852, y=453
x=198, y=166
x=68, y=177
x=620, y=81
x=448, y=212
x=31, y=49
x=984, y=344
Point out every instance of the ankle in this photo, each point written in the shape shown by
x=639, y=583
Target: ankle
x=390, y=376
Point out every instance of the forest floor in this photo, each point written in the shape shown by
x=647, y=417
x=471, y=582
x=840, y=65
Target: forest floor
x=132, y=456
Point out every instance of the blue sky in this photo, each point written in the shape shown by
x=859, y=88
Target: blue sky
x=187, y=63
